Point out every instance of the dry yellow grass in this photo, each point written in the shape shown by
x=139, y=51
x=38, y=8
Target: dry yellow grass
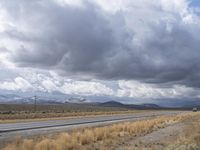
x=10, y=118
x=189, y=140
x=85, y=138
x=9, y=112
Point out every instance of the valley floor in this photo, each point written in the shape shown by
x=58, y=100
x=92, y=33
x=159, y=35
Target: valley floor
x=181, y=132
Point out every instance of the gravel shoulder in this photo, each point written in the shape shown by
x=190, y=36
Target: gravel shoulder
x=156, y=140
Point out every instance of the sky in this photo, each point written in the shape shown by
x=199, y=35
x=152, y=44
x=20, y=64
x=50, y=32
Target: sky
x=118, y=48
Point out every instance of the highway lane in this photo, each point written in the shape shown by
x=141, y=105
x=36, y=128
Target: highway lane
x=12, y=127
x=29, y=129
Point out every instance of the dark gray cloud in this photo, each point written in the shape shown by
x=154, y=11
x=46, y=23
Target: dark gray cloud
x=88, y=41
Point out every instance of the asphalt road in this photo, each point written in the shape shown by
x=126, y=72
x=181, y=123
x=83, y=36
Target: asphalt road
x=10, y=130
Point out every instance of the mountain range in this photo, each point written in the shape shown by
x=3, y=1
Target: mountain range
x=63, y=99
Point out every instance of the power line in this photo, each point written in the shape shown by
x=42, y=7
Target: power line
x=35, y=103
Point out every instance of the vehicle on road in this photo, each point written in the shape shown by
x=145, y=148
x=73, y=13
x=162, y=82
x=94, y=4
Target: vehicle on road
x=194, y=109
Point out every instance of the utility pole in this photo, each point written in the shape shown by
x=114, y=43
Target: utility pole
x=35, y=103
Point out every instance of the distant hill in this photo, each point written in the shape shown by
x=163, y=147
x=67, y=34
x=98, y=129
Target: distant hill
x=15, y=99
x=70, y=99
x=112, y=104
x=193, y=103
x=129, y=106
x=76, y=100
x=151, y=105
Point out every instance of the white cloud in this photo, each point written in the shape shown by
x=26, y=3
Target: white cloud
x=136, y=89
x=50, y=82
x=19, y=84
x=49, y=85
x=54, y=82
x=86, y=88
x=133, y=89
x=137, y=17
x=78, y=3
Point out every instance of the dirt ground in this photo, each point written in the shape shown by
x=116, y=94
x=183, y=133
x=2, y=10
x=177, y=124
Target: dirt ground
x=156, y=140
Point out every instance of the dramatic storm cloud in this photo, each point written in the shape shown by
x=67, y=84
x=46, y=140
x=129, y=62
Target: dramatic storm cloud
x=152, y=44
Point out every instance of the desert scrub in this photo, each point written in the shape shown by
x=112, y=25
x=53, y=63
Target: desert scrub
x=189, y=140
x=85, y=138
x=21, y=117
